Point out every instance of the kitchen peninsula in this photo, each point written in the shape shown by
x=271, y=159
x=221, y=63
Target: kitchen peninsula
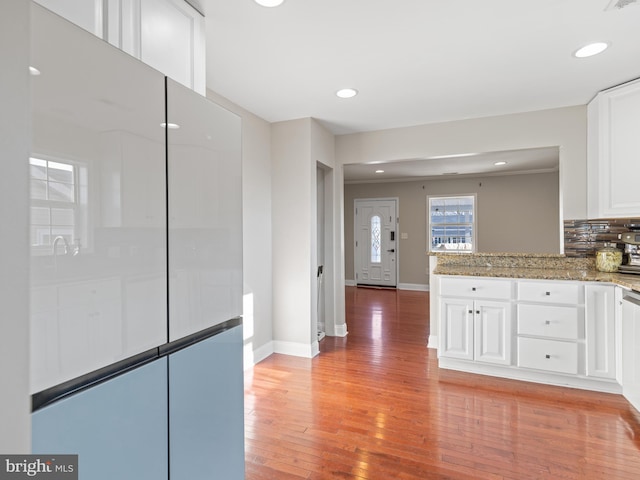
x=544, y=318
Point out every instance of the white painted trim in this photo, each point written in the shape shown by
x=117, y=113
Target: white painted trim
x=253, y=357
x=295, y=349
x=418, y=287
x=349, y=283
x=516, y=373
x=341, y=330
x=433, y=342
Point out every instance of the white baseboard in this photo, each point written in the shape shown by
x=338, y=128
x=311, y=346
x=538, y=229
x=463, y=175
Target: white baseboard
x=296, y=349
x=349, y=283
x=252, y=357
x=433, y=341
x=419, y=287
x=340, y=330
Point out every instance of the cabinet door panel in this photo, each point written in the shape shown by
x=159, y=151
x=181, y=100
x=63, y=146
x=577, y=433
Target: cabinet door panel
x=207, y=409
x=456, y=328
x=117, y=428
x=205, y=212
x=95, y=156
x=493, y=332
x=600, y=331
x=631, y=353
x=613, y=150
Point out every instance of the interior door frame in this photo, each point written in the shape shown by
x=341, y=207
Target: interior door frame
x=355, y=235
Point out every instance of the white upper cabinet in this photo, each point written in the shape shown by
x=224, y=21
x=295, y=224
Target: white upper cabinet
x=84, y=13
x=172, y=40
x=165, y=34
x=614, y=152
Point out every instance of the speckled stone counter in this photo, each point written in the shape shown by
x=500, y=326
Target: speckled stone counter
x=534, y=266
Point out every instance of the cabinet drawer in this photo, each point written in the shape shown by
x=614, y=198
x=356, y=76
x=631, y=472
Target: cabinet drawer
x=550, y=355
x=550, y=321
x=475, y=288
x=550, y=292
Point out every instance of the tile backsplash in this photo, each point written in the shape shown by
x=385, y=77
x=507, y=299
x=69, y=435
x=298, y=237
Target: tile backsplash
x=583, y=237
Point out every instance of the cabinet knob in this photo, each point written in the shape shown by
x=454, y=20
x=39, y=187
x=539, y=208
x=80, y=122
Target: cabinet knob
x=547, y=356
x=547, y=294
x=470, y=311
x=548, y=322
x=478, y=312
x=473, y=289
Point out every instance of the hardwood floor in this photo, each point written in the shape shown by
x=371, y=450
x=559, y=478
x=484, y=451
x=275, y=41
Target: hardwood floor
x=375, y=405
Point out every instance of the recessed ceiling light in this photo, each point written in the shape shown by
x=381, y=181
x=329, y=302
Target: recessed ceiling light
x=34, y=71
x=170, y=126
x=347, y=93
x=497, y=164
x=269, y=3
x=379, y=171
x=591, y=49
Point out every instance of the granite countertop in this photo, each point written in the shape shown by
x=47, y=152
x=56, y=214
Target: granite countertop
x=533, y=266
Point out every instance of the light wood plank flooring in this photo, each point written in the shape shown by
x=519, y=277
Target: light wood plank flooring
x=375, y=405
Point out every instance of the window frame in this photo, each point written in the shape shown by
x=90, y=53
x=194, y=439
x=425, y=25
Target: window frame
x=472, y=224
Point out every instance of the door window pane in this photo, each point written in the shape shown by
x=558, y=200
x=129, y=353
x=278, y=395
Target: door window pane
x=375, y=240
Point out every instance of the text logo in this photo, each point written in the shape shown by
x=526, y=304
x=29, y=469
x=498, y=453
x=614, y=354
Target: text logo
x=50, y=467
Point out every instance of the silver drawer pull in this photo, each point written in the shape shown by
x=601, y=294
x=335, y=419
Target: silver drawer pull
x=547, y=356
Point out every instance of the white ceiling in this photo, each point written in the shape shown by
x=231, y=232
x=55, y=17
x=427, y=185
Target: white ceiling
x=414, y=61
x=533, y=160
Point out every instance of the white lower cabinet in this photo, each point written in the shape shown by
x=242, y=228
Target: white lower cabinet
x=549, y=331
x=476, y=329
x=631, y=348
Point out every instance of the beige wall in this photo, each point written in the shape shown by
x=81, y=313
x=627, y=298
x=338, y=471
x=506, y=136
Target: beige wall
x=565, y=128
x=515, y=213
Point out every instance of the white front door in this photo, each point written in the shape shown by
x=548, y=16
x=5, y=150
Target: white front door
x=375, y=242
